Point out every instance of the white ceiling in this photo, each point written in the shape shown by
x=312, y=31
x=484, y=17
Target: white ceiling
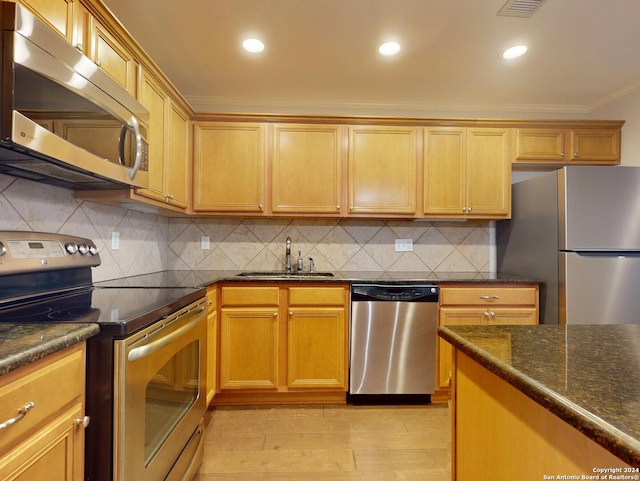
x=321, y=56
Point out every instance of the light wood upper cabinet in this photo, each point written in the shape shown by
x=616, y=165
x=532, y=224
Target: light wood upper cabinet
x=488, y=173
x=169, y=138
x=112, y=57
x=58, y=14
x=445, y=171
x=467, y=172
x=566, y=146
x=229, y=167
x=382, y=170
x=177, y=165
x=153, y=98
x=306, y=169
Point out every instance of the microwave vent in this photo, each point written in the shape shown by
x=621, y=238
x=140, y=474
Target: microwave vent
x=520, y=8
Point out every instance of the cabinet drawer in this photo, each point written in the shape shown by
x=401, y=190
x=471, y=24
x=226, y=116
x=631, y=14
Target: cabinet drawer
x=250, y=296
x=317, y=296
x=50, y=384
x=488, y=295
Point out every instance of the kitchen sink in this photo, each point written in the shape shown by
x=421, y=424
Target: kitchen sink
x=286, y=275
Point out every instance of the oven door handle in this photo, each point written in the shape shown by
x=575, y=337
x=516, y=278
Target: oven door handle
x=148, y=349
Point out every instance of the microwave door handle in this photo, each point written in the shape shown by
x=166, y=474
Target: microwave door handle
x=133, y=123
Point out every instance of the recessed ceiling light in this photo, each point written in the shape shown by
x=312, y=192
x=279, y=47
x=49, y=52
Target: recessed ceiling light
x=514, y=52
x=389, y=48
x=253, y=45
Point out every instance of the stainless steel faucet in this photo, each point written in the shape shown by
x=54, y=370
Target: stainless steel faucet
x=288, y=255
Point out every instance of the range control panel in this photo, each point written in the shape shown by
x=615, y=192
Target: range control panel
x=22, y=252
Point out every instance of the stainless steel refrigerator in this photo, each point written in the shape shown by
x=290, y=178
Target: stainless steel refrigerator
x=578, y=230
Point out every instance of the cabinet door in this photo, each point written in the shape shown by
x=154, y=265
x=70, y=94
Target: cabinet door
x=154, y=99
x=488, y=173
x=595, y=146
x=58, y=14
x=111, y=56
x=317, y=349
x=229, y=167
x=249, y=348
x=550, y=145
x=55, y=452
x=382, y=170
x=82, y=21
x=444, y=171
x=177, y=162
x=449, y=317
x=212, y=344
x=306, y=169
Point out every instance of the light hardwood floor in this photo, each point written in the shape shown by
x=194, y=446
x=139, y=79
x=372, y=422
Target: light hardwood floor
x=328, y=443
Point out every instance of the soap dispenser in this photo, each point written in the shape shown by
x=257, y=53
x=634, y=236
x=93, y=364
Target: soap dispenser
x=300, y=266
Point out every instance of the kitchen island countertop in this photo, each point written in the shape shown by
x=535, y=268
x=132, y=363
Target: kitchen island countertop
x=587, y=375
x=21, y=344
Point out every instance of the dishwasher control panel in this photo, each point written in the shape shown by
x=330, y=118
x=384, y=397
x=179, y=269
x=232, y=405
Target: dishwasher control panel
x=394, y=292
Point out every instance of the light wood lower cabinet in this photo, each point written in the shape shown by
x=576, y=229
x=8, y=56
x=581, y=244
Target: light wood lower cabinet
x=477, y=305
x=48, y=442
x=283, y=343
x=212, y=344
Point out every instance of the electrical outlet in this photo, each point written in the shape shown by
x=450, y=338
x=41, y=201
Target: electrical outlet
x=205, y=243
x=115, y=241
x=404, y=245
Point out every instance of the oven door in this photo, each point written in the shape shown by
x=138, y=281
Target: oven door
x=159, y=397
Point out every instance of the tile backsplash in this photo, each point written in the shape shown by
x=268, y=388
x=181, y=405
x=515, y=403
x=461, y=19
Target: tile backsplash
x=149, y=243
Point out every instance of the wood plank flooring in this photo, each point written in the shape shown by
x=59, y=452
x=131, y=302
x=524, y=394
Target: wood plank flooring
x=328, y=443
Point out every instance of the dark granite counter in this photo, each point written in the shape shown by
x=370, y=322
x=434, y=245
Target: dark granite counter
x=587, y=375
x=21, y=344
x=203, y=278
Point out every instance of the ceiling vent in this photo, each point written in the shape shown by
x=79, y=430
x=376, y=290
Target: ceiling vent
x=520, y=8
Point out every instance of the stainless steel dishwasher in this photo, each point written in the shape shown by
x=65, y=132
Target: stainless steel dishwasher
x=393, y=342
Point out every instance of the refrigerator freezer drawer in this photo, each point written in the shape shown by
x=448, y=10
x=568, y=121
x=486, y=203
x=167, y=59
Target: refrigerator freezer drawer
x=599, y=289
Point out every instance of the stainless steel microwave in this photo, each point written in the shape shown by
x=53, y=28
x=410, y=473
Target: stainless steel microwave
x=63, y=120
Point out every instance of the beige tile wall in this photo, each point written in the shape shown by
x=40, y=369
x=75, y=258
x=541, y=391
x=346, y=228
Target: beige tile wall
x=149, y=243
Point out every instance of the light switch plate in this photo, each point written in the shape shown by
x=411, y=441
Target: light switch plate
x=115, y=241
x=205, y=243
x=404, y=245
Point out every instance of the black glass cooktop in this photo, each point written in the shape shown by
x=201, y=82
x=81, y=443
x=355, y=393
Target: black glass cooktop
x=118, y=311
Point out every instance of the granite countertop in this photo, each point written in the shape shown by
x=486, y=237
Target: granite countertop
x=21, y=344
x=587, y=375
x=203, y=278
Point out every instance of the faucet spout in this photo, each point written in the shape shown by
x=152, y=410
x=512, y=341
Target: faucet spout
x=288, y=255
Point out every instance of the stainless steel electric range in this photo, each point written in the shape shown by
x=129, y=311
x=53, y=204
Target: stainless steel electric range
x=145, y=369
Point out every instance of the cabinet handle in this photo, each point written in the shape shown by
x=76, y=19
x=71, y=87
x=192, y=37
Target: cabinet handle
x=79, y=47
x=464, y=209
x=338, y=207
x=275, y=314
x=493, y=315
x=489, y=298
x=576, y=154
x=22, y=412
x=562, y=154
x=84, y=421
x=98, y=62
x=290, y=314
x=486, y=314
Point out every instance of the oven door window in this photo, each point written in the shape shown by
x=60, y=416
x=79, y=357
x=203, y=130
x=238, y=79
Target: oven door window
x=170, y=393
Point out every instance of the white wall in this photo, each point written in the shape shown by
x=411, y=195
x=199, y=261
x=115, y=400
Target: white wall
x=625, y=108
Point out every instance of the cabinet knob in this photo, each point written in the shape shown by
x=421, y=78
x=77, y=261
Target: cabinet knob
x=84, y=421
x=290, y=314
x=98, y=62
x=338, y=207
x=576, y=154
x=562, y=154
x=79, y=47
x=486, y=314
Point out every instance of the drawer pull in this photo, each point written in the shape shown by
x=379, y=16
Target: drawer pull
x=22, y=412
x=489, y=298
